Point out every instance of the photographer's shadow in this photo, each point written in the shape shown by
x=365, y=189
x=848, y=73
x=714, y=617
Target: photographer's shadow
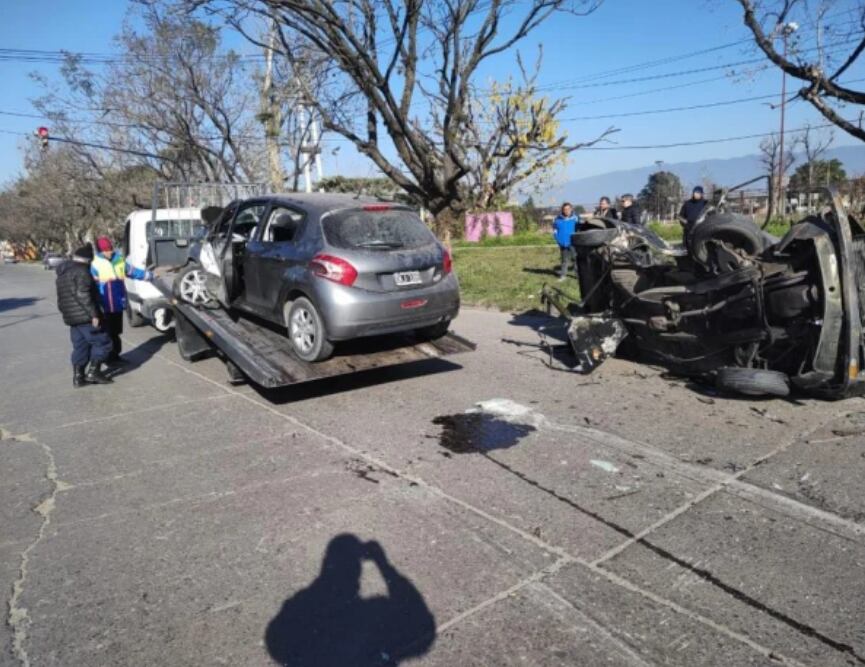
x=329, y=624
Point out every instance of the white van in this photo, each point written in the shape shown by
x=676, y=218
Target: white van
x=150, y=239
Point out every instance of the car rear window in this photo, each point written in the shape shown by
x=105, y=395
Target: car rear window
x=395, y=229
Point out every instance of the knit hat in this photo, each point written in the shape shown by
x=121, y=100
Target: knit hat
x=103, y=244
x=699, y=189
x=84, y=252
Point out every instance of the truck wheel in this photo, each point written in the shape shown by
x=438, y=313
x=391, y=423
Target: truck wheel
x=306, y=331
x=753, y=381
x=190, y=286
x=433, y=331
x=135, y=319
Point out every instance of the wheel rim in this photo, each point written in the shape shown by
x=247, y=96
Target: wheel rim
x=193, y=288
x=303, y=333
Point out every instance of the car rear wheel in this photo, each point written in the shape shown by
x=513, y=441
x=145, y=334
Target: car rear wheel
x=753, y=381
x=190, y=286
x=306, y=331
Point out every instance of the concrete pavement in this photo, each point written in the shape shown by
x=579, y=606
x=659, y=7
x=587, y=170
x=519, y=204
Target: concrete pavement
x=622, y=518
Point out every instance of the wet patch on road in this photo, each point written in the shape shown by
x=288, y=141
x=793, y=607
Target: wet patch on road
x=479, y=432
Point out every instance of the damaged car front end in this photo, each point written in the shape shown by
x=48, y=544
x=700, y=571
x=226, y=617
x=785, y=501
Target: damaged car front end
x=756, y=314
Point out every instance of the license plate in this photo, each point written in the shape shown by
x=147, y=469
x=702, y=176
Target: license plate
x=407, y=278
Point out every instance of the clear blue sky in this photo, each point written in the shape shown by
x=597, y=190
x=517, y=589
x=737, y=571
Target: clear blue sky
x=621, y=34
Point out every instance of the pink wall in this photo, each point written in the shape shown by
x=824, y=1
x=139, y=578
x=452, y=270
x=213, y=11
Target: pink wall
x=499, y=223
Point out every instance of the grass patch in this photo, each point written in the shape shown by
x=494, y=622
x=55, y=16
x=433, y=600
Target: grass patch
x=527, y=238
x=509, y=279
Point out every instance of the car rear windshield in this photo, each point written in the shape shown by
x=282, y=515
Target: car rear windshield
x=376, y=230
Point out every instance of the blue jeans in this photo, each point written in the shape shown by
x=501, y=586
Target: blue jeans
x=89, y=344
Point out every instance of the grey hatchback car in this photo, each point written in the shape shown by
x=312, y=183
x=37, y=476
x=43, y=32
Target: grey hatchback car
x=328, y=267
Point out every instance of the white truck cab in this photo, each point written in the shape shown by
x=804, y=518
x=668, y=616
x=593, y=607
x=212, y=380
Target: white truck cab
x=152, y=238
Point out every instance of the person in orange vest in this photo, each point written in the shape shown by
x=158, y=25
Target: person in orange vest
x=109, y=270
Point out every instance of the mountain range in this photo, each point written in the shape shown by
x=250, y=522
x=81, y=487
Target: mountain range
x=725, y=172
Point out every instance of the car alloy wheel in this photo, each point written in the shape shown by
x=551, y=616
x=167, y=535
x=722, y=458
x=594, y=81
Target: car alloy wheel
x=193, y=288
x=303, y=330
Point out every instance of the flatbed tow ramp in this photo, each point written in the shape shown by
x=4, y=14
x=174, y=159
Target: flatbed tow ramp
x=259, y=352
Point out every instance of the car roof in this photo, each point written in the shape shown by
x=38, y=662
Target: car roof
x=321, y=202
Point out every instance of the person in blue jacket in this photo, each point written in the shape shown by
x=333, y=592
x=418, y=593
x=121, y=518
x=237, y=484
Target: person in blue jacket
x=564, y=226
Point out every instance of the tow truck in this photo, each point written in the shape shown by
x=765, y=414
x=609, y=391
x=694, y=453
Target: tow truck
x=258, y=351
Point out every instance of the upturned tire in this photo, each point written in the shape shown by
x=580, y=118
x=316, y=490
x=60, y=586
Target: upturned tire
x=306, y=331
x=592, y=238
x=733, y=230
x=190, y=286
x=753, y=381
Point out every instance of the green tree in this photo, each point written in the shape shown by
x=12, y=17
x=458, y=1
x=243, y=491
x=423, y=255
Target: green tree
x=816, y=174
x=661, y=194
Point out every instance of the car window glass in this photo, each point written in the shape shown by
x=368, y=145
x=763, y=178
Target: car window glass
x=172, y=229
x=248, y=219
x=283, y=225
x=373, y=229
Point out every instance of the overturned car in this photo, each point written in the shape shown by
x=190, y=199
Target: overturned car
x=756, y=314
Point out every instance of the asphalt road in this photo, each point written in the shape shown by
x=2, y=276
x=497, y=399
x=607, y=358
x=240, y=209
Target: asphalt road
x=619, y=519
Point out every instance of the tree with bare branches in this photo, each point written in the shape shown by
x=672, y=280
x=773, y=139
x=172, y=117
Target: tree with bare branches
x=402, y=86
x=770, y=158
x=176, y=101
x=835, y=44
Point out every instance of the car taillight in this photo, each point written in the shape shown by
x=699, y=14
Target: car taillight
x=333, y=268
x=447, y=262
x=377, y=207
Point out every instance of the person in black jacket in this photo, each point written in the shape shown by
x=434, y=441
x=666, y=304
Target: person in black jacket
x=78, y=301
x=630, y=210
x=604, y=210
x=691, y=212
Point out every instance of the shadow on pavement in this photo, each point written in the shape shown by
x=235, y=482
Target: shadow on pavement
x=140, y=355
x=328, y=623
x=356, y=380
x=16, y=302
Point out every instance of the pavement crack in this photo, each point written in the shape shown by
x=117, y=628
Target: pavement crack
x=18, y=617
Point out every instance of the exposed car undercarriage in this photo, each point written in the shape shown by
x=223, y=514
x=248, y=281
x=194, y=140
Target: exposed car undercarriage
x=756, y=314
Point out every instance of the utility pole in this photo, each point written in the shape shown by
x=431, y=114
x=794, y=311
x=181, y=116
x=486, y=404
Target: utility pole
x=658, y=164
x=271, y=117
x=317, y=148
x=786, y=30
x=304, y=150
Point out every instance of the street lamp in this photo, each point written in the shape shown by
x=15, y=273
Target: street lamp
x=785, y=31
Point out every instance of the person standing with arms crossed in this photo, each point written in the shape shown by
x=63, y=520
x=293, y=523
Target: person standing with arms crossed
x=564, y=227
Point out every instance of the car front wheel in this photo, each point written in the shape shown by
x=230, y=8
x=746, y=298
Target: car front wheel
x=306, y=331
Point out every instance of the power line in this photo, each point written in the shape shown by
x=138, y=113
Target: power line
x=699, y=70
x=692, y=107
x=706, y=141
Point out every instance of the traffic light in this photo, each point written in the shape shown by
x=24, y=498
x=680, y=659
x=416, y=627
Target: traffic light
x=42, y=133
